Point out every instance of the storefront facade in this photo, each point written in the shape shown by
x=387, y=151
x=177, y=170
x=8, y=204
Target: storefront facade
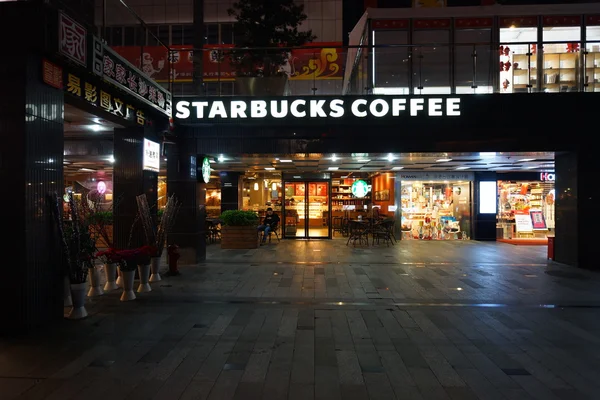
x=328, y=125
x=57, y=64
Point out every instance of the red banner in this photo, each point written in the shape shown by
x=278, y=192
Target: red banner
x=322, y=62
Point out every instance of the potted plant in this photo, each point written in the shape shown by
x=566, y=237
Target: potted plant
x=127, y=266
x=75, y=245
x=110, y=259
x=143, y=262
x=274, y=27
x=239, y=229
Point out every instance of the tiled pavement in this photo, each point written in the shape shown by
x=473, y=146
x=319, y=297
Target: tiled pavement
x=320, y=320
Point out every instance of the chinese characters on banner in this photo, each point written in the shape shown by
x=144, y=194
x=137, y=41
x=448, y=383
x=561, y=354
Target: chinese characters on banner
x=52, y=74
x=151, y=161
x=72, y=39
x=325, y=61
x=102, y=97
x=121, y=73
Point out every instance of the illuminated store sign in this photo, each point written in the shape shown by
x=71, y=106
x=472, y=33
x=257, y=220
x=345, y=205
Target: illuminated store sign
x=151, y=156
x=360, y=188
x=206, y=170
x=544, y=176
x=320, y=108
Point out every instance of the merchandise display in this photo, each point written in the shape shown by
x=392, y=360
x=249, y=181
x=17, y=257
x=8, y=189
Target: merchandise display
x=436, y=210
x=525, y=209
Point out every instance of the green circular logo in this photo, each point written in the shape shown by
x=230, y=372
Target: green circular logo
x=360, y=188
x=206, y=170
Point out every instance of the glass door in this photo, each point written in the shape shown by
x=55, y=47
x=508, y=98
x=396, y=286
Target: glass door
x=306, y=210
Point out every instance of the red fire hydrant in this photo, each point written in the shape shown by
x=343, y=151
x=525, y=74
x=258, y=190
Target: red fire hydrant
x=173, y=253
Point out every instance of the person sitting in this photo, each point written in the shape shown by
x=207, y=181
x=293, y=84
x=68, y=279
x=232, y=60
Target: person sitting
x=268, y=225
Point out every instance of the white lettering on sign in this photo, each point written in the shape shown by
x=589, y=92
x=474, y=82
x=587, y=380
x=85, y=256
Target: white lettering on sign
x=545, y=176
x=373, y=107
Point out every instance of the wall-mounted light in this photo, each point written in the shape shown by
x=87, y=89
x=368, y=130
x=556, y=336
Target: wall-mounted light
x=255, y=185
x=274, y=186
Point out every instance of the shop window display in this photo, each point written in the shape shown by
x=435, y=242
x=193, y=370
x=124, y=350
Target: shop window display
x=525, y=209
x=436, y=210
x=592, y=59
x=261, y=191
x=561, y=59
x=517, y=59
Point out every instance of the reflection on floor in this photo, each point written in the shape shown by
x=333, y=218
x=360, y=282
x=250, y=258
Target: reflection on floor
x=312, y=232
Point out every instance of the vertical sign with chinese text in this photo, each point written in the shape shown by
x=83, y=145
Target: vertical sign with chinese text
x=151, y=160
x=72, y=39
x=52, y=74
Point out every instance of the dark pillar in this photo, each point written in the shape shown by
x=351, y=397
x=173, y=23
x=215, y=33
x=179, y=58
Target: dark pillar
x=130, y=181
x=198, y=57
x=189, y=232
x=31, y=169
x=573, y=210
x=484, y=225
x=231, y=190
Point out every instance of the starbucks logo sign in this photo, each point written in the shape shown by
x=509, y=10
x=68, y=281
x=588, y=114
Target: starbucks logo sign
x=205, y=170
x=360, y=188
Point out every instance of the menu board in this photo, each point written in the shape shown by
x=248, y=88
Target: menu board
x=312, y=189
x=300, y=189
x=322, y=189
x=523, y=221
x=537, y=220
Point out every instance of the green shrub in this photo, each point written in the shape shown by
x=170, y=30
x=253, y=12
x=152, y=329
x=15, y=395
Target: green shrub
x=101, y=218
x=239, y=218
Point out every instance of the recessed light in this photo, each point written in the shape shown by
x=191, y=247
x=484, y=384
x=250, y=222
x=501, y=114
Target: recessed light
x=269, y=168
x=363, y=160
x=221, y=158
x=443, y=160
x=390, y=157
x=397, y=168
x=527, y=159
x=285, y=160
x=297, y=177
x=459, y=168
x=96, y=127
x=531, y=167
x=333, y=168
x=334, y=158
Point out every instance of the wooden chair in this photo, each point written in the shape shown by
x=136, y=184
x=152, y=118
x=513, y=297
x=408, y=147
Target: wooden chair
x=276, y=232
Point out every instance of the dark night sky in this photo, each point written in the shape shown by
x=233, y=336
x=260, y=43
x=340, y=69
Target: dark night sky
x=459, y=3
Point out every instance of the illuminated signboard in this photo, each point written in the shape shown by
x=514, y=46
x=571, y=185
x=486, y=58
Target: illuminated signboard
x=546, y=177
x=487, y=197
x=360, y=188
x=151, y=156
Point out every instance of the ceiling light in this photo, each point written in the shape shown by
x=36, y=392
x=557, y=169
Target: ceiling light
x=363, y=160
x=443, y=160
x=255, y=185
x=274, y=186
x=527, y=159
x=285, y=160
x=390, y=157
x=333, y=158
x=87, y=170
x=333, y=168
x=221, y=158
x=459, y=168
x=488, y=154
x=297, y=177
x=111, y=159
x=269, y=168
x=531, y=167
x=344, y=177
x=397, y=168
x=96, y=127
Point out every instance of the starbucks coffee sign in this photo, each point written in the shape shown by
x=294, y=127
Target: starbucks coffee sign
x=315, y=108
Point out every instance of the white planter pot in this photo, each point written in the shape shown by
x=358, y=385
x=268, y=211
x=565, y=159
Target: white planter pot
x=78, y=296
x=67, y=301
x=110, y=271
x=144, y=272
x=119, y=280
x=95, y=285
x=127, y=278
x=155, y=269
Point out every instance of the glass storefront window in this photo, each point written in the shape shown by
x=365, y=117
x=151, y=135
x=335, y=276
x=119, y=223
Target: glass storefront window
x=517, y=58
x=561, y=58
x=526, y=209
x=391, y=66
x=592, y=59
x=262, y=190
x=436, y=210
x=472, y=63
x=431, y=62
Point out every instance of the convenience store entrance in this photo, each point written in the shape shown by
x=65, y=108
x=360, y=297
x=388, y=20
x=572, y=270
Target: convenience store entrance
x=306, y=208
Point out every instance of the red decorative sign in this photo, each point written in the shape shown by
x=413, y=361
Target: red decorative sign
x=473, y=22
x=557, y=20
x=432, y=23
x=72, y=39
x=52, y=74
x=389, y=24
x=322, y=62
x=518, y=22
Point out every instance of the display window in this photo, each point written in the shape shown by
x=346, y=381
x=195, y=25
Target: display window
x=517, y=59
x=525, y=209
x=436, y=210
x=561, y=58
x=261, y=191
x=592, y=59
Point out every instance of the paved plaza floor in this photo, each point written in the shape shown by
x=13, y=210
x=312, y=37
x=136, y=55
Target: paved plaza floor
x=322, y=320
